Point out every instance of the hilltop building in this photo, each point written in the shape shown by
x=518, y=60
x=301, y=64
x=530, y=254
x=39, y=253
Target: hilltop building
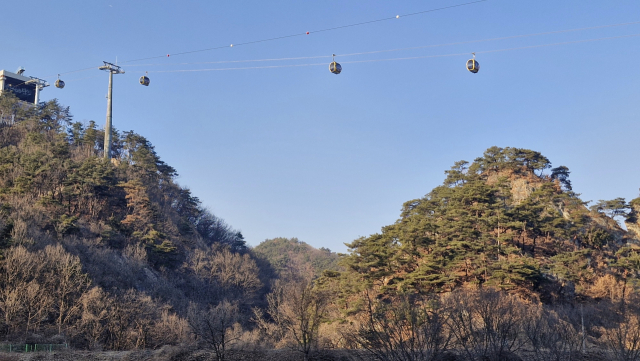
x=24, y=88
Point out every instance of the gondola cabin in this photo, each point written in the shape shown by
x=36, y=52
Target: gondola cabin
x=144, y=80
x=473, y=66
x=59, y=84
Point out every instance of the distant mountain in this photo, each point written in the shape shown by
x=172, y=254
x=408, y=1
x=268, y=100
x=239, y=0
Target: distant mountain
x=291, y=254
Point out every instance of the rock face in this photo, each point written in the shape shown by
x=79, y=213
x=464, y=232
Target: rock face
x=521, y=189
x=521, y=186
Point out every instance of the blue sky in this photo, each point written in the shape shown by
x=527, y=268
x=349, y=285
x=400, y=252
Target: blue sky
x=300, y=152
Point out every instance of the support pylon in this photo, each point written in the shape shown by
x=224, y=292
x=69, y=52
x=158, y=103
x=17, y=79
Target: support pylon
x=112, y=69
x=40, y=84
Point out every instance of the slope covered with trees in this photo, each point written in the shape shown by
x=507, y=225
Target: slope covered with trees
x=503, y=261
x=114, y=254
x=108, y=253
x=507, y=220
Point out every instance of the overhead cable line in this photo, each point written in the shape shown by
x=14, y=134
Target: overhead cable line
x=84, y=78
x=494, y=39
x=362, y=53
x=79, y=70
x=280, y=37
x=306, y=33
x=405, y=58
x=397, y=49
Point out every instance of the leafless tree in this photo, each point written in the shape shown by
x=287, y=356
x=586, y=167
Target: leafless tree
x=36, y=302
x=402, y=328
x=67, y=283
x=552, y=334
x=485, y=323
x=18, y=268
x=297, y=308
x=214, y=326
x=171, y=329
x=623, y=340
x=230, y=275
x=95, y=315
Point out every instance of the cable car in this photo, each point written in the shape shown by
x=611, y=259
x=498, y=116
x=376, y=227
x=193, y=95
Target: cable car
x=144, y=80
x=472, y=64
x=334, y=67
x=59, y=83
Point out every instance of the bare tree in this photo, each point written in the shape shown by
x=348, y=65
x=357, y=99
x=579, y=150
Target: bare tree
x=624, y=339
x=402, y=329
x=230, y=275
x=297, y=308
x=17, y=269
x=130, y=321
x=552, y=333
x=171, y=329
x=95, y=315
x=36, y=302
x=24, y=298
x=214, y=326
x=486, y=323
x=67, y=283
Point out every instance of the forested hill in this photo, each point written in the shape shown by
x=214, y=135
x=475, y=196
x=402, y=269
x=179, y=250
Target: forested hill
x=507, y=220
x=293, y=255
x=114, y=254
x=107, y=253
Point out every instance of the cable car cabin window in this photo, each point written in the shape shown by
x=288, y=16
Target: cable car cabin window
x=473, y=66
x=335, y=68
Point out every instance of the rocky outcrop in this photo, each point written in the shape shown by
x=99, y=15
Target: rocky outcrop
x=521, y=185
x=521, y=189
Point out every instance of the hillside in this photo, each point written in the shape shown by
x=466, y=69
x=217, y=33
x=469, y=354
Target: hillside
x=109, y=254
x=115, y=255
x=293, y=255
x=507, y=220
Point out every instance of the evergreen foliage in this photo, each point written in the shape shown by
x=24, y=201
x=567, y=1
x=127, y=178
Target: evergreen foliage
x=500, y=221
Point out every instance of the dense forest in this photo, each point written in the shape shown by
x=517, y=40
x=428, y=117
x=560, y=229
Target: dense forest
x=503, y=259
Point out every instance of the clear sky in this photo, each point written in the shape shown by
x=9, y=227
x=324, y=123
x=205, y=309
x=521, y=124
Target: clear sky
x=300, y=152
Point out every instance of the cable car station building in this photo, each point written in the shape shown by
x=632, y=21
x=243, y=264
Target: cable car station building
x=17, y=84
x=27, y=89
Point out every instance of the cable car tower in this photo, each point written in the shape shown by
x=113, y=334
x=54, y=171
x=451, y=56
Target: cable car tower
x=112, y=69
x=40, y=84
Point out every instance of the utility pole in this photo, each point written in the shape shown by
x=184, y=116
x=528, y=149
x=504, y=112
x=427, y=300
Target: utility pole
x=112, y=69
